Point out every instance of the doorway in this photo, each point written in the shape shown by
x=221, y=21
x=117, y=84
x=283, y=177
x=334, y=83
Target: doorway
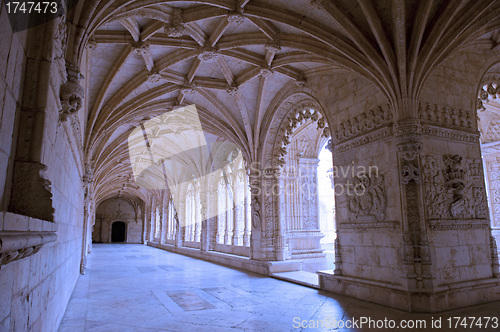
x=118, y=231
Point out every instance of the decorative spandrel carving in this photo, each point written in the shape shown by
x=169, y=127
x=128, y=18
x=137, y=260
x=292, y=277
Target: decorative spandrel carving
x=445, y=116
x=363, y=123
x=491, y=89
x=492, y=132
x=372, y=201
x=297, y=118
x=453, y=187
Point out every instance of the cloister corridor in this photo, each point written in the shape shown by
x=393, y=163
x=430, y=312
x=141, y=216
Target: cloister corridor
x=137, y=288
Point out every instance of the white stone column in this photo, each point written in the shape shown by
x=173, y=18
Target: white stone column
x=248, y=218
x=238, y=210
x=164, y=221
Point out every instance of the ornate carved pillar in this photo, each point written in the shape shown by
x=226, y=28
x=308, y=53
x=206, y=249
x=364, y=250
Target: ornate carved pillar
x=88, y=215
x=228, y=211
x=205, y=231
x=256, y=194
x=247, y=217
x=492, y=168
x=178, y=235
x=164, y=220
x=238, y=210
x=275, y=226
x=417, y=264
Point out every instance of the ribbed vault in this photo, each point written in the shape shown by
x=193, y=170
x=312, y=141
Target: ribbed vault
x=232, y=57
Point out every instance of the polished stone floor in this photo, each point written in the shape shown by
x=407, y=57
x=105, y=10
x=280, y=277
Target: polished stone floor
x=140, y=288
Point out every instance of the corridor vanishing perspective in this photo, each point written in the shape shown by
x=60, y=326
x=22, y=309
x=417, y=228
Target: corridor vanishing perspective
x=351, y=146
x=135, y=288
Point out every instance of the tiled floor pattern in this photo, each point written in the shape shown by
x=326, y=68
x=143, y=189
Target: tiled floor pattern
x=138, y=288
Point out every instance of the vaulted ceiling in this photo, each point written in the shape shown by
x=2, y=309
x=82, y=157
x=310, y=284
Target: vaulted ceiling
x=232, y=57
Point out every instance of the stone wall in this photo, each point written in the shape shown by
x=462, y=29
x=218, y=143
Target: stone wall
x=34, y=291
x=113, y=210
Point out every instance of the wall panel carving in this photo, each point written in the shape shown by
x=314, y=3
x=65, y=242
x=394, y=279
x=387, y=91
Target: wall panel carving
x=453, y=187
x=371, y=204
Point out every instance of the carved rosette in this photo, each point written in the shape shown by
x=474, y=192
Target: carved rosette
x=142, y=48
x=208, y=54
x=176, y=31
x=71, y=94
x=266, y=72
x=232, y=89
x=236, y=18
x=409, y=173
x=154, y=76
x=177, y=27
x=188, y=89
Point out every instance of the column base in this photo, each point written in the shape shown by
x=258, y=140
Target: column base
x=447, y=297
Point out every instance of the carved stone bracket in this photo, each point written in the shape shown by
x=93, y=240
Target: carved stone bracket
x=18, y=245
x=71, y=93
x=31, y=191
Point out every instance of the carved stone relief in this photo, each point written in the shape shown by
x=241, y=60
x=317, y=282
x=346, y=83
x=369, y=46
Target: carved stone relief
x=294, y=120
x=372, y=203
x=444, y=116
x=494, y=191
x=363, y=123
x=453, y=187
x=492, y=91
x=71, y=94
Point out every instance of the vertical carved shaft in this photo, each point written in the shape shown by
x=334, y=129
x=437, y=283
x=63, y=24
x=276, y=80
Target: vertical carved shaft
x=237, y=214
x=247, y=218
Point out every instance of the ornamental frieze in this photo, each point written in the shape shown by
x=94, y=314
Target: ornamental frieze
x=363, y=123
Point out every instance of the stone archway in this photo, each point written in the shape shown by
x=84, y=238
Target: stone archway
x=292, y=111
